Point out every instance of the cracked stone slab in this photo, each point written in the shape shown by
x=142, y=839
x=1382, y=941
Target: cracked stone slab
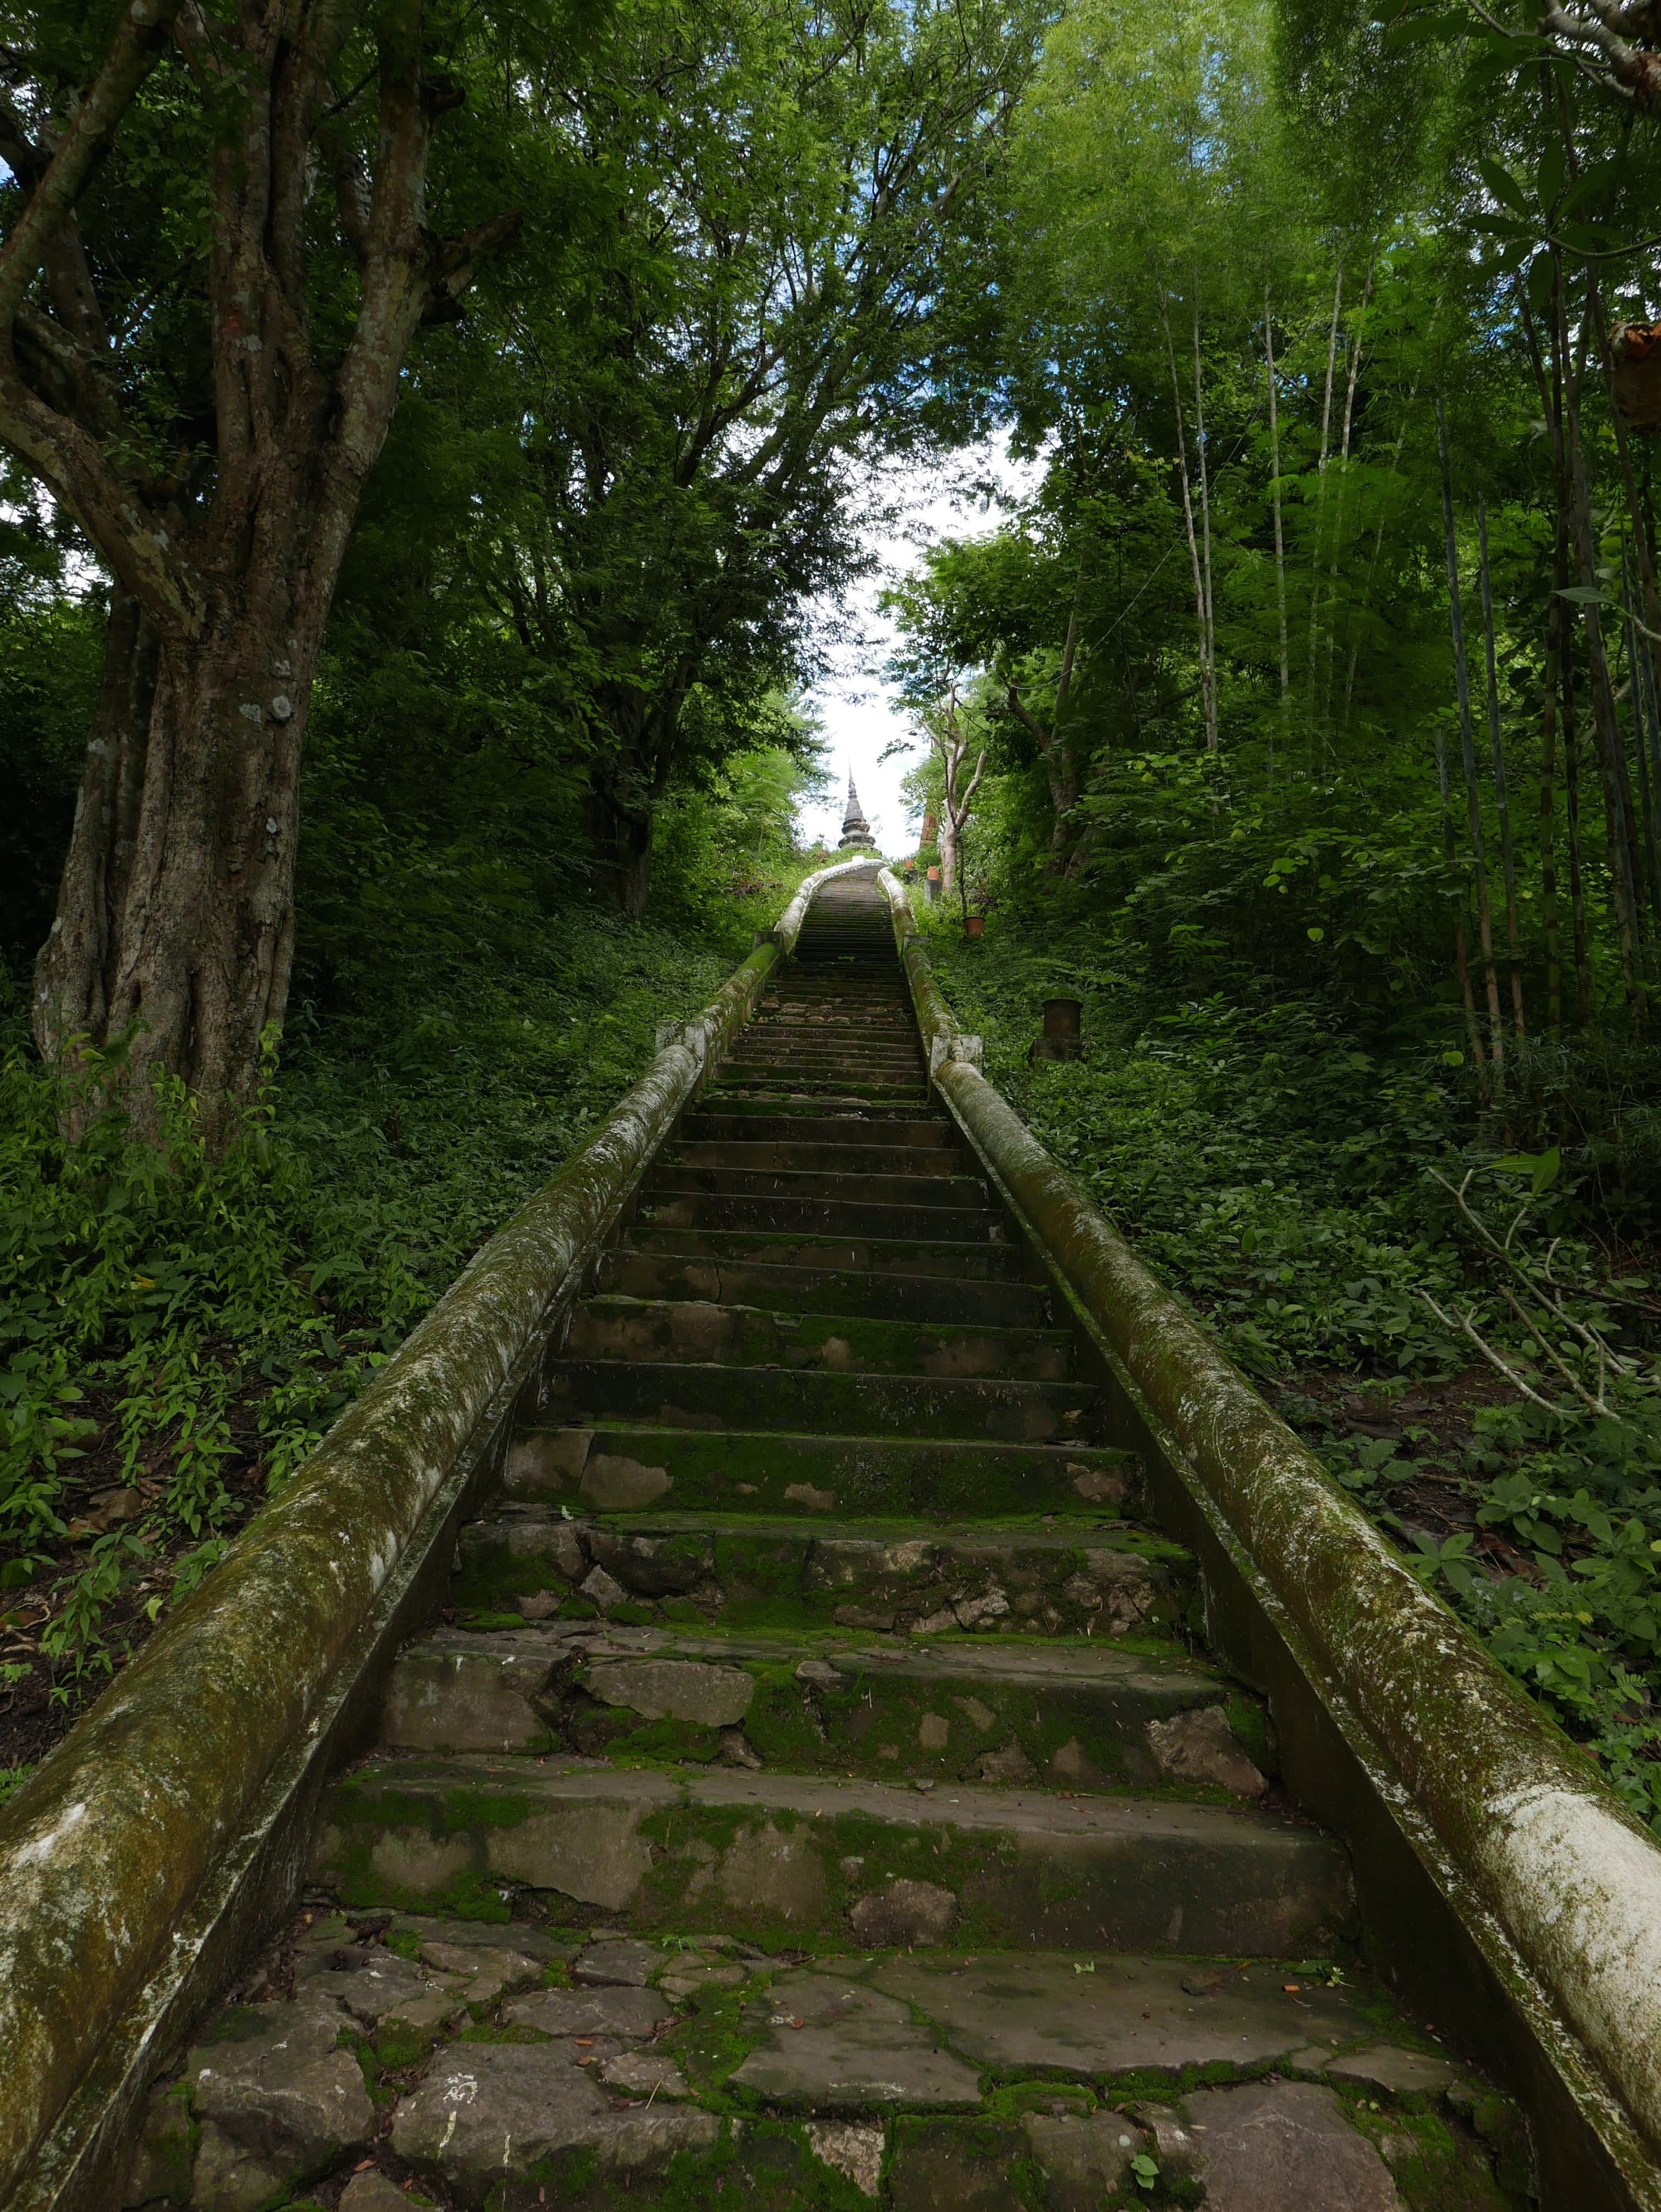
x=487, y=2111
x=376, y=1985
x=1124, y=2015
x=625, y=2012
x=829, y=2042
x=645, y=2073
x=1268, y=2145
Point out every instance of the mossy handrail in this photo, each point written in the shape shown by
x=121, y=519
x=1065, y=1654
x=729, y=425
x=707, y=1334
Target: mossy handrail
x=1566, y=1877
x=171, y=1823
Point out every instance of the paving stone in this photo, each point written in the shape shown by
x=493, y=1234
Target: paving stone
x=277, y=2100
x=1200, y=1747
x=853, y=2047
x=853, y=2148
x=903, y=1913
x=673, y=1689
x=1085, y=2157
x=1388, y=2069
x=629, y=1964
x=1268, y=2146
x=938, y=2168
x=371, y=2191
x=645, y=2074
x=485, y=1969
x=624, y=2012
x=1127, y=2015
x=376, y=1986
x=486, y=2112
x=521, y=1937
x=686, y=1976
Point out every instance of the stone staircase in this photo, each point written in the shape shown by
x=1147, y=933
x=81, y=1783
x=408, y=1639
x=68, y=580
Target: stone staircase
x=817, y=1792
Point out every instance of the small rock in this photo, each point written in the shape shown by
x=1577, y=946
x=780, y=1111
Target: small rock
x=538, y=1605
x=1199, y=1746
x=852, y=2147
x=819, y=1674
x=863, y=1616
x=487, y=1971
x=376, y=1986
x=934, y=1732
x=599, y=1586
x=748, y=1489
x=905, y=1912
x=1097, y=1486
x=737, y=1750
x=977, y=1715
x=815, y=1501
x=1011, y=1764
x=1068, y=1764
x=981, y=1612
x=649, y=1566
x=935, y=1623
x=645, y=2073
x=622, y=1964
x=630, y=2013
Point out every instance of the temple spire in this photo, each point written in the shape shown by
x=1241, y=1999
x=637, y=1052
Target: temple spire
x=856, y=830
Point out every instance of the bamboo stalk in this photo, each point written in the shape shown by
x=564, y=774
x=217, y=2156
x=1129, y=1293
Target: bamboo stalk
x=1468, y=756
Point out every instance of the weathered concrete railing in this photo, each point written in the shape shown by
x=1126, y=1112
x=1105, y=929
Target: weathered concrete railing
x=1537, y=1861
x=169, y=1828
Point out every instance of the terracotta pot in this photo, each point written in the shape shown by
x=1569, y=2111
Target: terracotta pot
x=974, y=925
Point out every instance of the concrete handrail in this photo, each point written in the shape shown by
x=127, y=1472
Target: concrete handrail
x=105, y=1848
x=1552, y=1852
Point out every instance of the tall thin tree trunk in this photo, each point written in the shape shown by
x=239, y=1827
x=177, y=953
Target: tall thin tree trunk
x=1280, y=539
x=1320, y=501
x=1450, y=857
x=1557, y=615
x=1212, y=732
x=1501, y=795
x=1188, y=511
x=1572, y=818
x=1350, y=380
x=1467, y=754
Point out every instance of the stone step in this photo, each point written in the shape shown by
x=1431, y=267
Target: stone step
x=1072, y=1715
x=763, y=1079
x=799, y=1858
x=907, y=1192
x=885, y=1131
x=817, y=1049
x=786, y=1290
x=823, y=1216
x=693, y=1393
x=980, y=1261
x=652, y=1330
x=816, y=1156
x=882, y=1578
x=625, y=1467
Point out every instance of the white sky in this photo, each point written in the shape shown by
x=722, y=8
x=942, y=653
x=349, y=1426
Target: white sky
x=860, y=713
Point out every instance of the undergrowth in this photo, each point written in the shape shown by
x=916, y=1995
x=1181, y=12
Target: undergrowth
x=1300, y=1187
x=177, y=1331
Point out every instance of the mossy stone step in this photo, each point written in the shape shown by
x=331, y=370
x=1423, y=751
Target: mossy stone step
x=886, y=1577
x=1075, y=1717
x=627, y=1272
x=982, y=1260
x=818, y=1156
x=854, y=1127
x=628, y=1466
x=906, y=1191
x=793, y=1858
x=614, y=1326
x=821, y=1216
x=697, y=1395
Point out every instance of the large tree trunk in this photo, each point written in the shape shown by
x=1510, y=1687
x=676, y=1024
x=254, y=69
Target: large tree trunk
x=619, y=832
x=174, y=935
